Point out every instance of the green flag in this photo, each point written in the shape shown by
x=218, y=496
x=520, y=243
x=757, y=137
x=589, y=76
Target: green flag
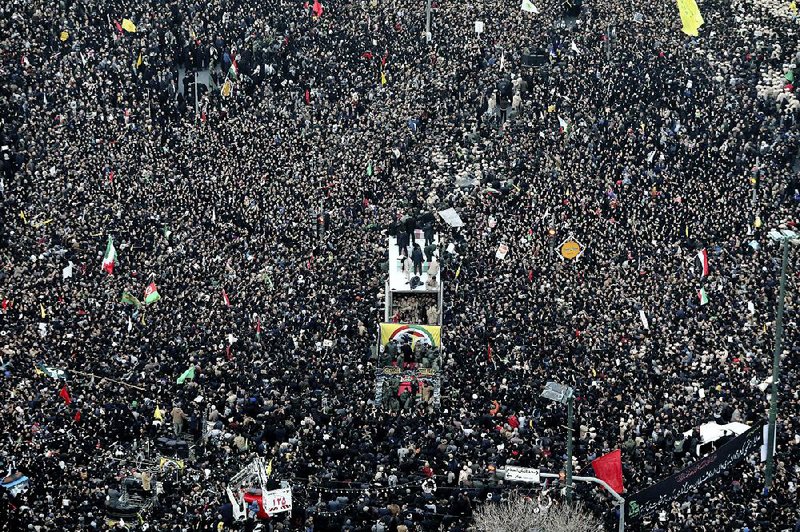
x=53, y=373
x=790, y=75
x=188, y=374
x=166, y=231
x=130, y=300
x=369, y=170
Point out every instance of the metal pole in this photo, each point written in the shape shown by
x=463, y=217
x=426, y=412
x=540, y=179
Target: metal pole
x=428, y=35
x=569, y=450
x=776, y=369
x=609, y=489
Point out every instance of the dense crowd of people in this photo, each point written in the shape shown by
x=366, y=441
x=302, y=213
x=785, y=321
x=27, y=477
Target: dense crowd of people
x=258, y=196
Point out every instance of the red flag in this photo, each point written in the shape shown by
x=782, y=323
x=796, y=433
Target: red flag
x=228, y=353
x=118, y=26
x=77, y=416
x=64, y=394
x=609, y=469
x=318, y=9
x=258, y=326
x=530, y=276
x=5, y=305
x=308, y=97
x=367, y=55
x=489, y=351
x=225, y=298
x=384, y=58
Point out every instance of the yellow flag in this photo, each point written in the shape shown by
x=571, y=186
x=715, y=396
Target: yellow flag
x=142, y=318
x=41, y=309
x=458, y=271
x=383, y=78
x=128, y=25
x=551, y=108
x=37, y=371
x=793, y=7
x=757, y=223
x=64, y=36
x=269, y=468
x=139, y=61
x=158, y=415
x=22, y=215
x=690, y=17
x=226, y=88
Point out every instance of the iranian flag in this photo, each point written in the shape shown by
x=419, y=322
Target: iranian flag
x=225, y=298
x=702, y=259
x=151, y=294
x=233, y=71
x=702, y=296
x=110, y=257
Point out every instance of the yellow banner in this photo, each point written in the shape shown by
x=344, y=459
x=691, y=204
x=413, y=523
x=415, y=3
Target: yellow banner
x=431, y=334
x=690, y=16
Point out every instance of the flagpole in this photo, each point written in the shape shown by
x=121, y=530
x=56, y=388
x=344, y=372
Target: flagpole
x=428, y=35
x=776, y=370
x=106, y=378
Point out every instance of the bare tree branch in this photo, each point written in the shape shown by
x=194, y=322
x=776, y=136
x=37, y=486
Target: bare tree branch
x=522, y=514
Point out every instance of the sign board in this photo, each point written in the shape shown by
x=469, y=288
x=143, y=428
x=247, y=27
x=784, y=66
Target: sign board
x=502, y=251
x=451, y=217
x=570, y=248
x=522, y=474
x=478, y=26
x=277, y=501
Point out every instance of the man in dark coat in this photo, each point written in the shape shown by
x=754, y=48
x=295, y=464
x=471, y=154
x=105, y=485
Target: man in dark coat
x=416, y=258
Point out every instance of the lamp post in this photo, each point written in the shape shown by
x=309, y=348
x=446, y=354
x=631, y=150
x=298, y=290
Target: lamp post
x=563, y=394
x=784, y=236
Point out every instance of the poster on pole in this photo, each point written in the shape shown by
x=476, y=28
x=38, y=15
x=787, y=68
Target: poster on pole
x=451, y=217
x=502, y=251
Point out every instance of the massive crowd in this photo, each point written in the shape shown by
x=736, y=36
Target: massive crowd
x=262, y=217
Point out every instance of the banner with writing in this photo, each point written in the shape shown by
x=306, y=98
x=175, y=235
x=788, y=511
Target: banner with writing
x=649, y=500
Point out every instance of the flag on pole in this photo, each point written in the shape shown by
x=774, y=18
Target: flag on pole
x=318, y=9
x=130, y=299
x=41, y=311
x=258, y=329
x=690, y=17
x=77, y=416
x=110, y=257
x=66, y=273
x=563, y=124
x=225, y=298
x=64, y=394
x=269, y=468
x=608, y=468
x=643, y=317
x=158, y=415
x=139, y=60
x=53, y=373
x=489, y=351
x=793, y=7
x=233, y=71
x=702, y=296
x=528, y=6
x=151, y=294
x=188, y=374
x=128, y=25
x=702, y=257
x=458, y=271
x=383, y=78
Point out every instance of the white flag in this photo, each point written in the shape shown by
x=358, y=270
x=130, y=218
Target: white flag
x=528, y=6
x=574, y=48
x=66, y=273
x=643, y=317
